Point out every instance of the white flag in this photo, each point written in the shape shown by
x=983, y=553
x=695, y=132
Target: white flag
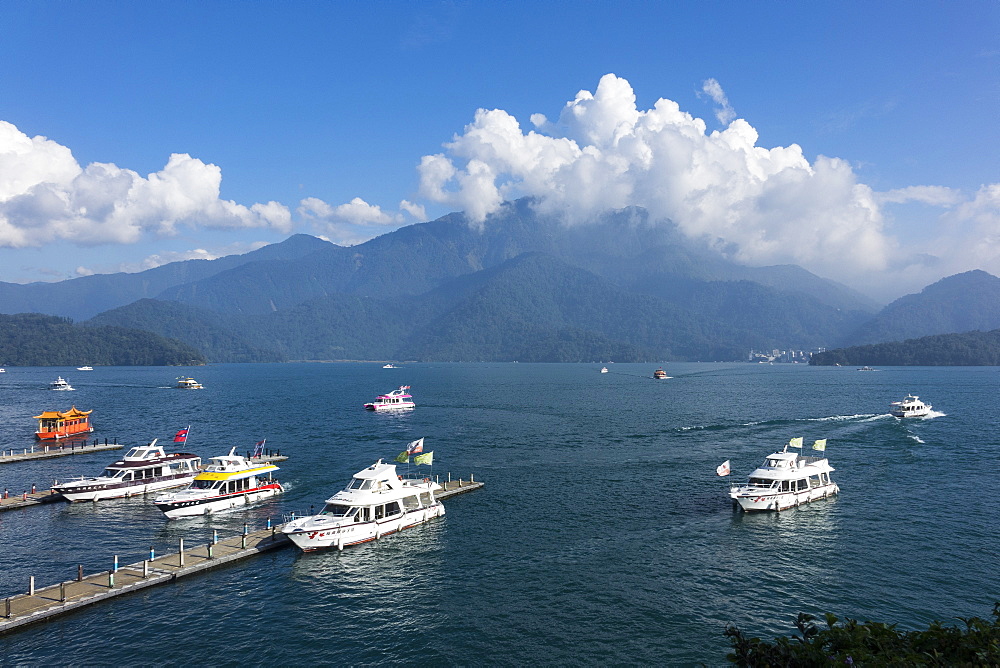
x=723, y=468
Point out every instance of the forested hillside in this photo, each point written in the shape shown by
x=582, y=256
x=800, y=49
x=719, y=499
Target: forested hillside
x=31, y=339
x=967, y=349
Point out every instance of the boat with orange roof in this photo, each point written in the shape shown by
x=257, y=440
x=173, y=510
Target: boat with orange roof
x=61, y=424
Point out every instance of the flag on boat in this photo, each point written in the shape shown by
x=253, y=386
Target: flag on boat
x=404, y=387
x=723, y=468
x=182, y=435
x=403, y=458
x=415, y=447
x=258, y=449
x=820, y=444
x=796, y=442
x=426, y=458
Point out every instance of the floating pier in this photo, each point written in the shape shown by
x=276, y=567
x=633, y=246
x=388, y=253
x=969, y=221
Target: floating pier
x=10, y=501
x=47, y=451
x=38, y=605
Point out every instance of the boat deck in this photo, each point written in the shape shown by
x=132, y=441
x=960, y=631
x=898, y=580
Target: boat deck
x=44, y=603
x=49, y=450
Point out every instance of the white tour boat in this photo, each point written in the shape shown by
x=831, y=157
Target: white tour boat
x=784, y=480
x=376, y=503
x=390, y=365
x=395, y=400
x=84, y=368
x=911, y=406
x=659, y=374
x=604, y=369
x=145, y=468
x=227, y=482
x=59, y=384
x=188, y=384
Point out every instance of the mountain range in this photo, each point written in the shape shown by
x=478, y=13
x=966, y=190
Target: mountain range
x=522, y=287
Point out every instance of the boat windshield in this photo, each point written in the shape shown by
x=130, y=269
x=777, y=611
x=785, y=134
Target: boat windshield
x=204, y=484
x=337, y=510
x=115, y=473
x=761, y=482
x=358, y=483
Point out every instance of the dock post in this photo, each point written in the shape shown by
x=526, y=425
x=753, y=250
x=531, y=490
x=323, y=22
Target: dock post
x=243, y=538
x=79, y=572
x=25, y=497
x=273, y=536
x=32, y=488
x=62, y=592
x=31, y=585
x=246, y=529
x=268, y=522
x=180, y=552
x=215, y=536
x=472, y=477
x=210, y=550
x=116, y=564
x=111, y=579
x=449, y=476
x=152, y=553
x=145, y=569
x=7, y=606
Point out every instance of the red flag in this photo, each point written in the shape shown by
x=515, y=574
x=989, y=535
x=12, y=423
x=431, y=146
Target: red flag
x=181, y=436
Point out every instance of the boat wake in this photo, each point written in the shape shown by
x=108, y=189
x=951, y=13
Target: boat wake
x=934, y=414
x=860, y=417
x=916, y=438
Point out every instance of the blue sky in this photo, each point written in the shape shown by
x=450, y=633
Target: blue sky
x=859, y=140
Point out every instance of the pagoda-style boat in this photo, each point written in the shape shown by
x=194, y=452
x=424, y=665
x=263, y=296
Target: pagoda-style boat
x=62, y=424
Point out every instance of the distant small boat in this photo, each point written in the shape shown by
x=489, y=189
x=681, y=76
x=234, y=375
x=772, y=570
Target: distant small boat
x=188, y=384
x=866, y=368
x=389, y=366
x=604, y=369
x=59, y=384
x=84, y=368
x=659, y=374
x=3, y=370
x=911, y=406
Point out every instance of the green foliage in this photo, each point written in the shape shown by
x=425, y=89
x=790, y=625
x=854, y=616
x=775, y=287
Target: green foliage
x=32, y=339
x=966, y=349
x=872, y=644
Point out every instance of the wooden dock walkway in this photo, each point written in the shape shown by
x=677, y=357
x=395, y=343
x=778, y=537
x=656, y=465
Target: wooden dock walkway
x=40, y=604
x=49, y=450
x=24, y=499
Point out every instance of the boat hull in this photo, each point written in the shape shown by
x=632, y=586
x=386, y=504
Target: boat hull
x=761, y=500
x=192, y=507
x=390, y=407
x=74, y=492
x=341, y=536
x=72, y=430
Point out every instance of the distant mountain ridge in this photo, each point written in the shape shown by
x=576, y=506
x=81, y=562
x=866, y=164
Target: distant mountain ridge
x=525, y=287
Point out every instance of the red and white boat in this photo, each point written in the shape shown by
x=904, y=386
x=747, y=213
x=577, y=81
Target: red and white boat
x=396, y=400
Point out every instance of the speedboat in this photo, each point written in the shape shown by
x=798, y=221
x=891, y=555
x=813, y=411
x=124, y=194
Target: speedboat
x=84, y=368
x=604, y=369
x=227, y=482
x=60, y=424
x=911, y=406
x=188, y=384
x=659, y=374
x=59, y=384
x=143, y=469
x=784, y=480
x=377, y=502
x=395, y=400
x=389, y=366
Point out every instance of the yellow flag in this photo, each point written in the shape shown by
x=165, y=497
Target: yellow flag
x=796, y=442
x=820, y=445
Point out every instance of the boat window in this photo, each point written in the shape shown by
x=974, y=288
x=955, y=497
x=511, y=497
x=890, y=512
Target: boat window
x=110, y=473
x=364, y=514
x=358, y=483
x=410, y=502
x=392, y=509
x=202, y=484
x=760, y=482
x=336, y=510
x=425, y=499
x=379, y=512
x=134, y=452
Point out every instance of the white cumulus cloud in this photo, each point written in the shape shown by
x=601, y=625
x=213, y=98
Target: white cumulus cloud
x=46, y=196
x=357, y=220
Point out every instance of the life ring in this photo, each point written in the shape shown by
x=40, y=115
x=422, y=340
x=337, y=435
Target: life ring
x=427, y=479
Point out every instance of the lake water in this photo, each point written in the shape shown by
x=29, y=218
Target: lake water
x=602, y=535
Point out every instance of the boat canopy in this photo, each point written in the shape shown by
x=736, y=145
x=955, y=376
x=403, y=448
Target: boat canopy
x=71, y=414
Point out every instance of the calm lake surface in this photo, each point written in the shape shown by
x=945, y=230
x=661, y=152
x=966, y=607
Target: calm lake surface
x=602, y=535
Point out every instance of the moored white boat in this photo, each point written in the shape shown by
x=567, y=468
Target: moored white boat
x=143, y=469
x=59, y=384
x=396, y=400
x=911, y=406
x=377, y=502
x=227, y=482
x=786, y=479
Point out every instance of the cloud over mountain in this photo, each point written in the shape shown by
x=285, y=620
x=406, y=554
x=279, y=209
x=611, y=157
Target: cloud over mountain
x=766, y=205
x=45, y=195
